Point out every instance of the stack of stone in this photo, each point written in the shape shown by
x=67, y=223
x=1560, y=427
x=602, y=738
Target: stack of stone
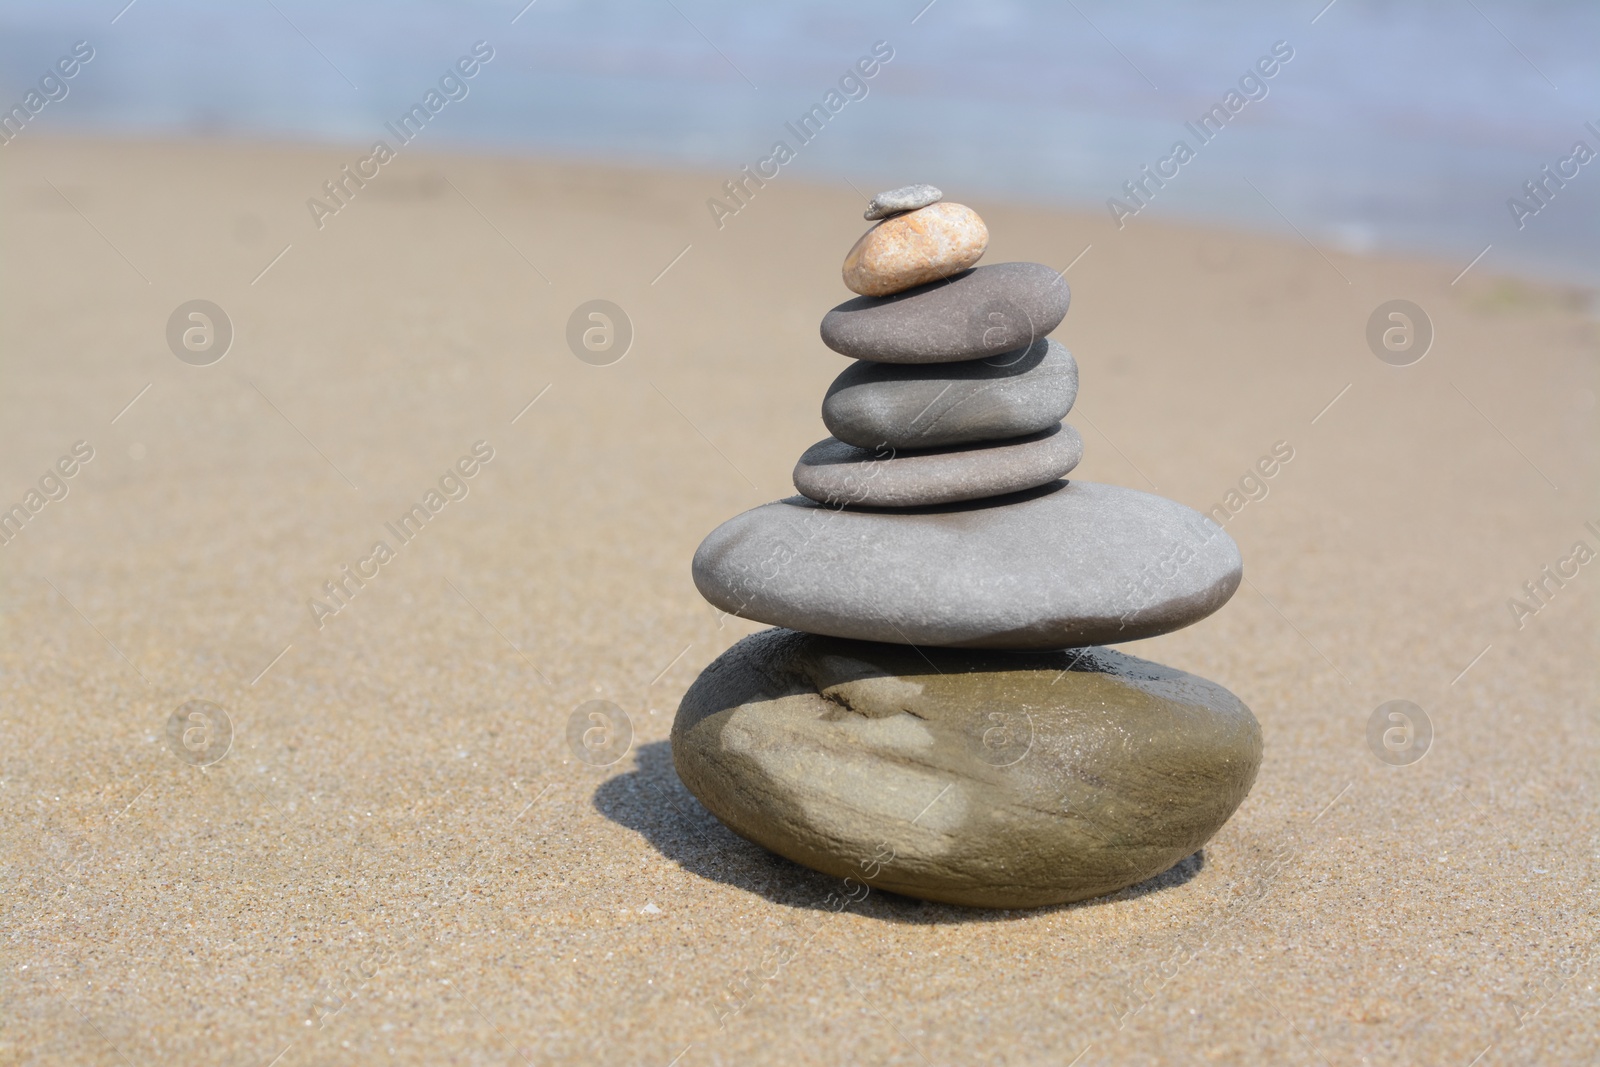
x=979, y=426
x=934, y=694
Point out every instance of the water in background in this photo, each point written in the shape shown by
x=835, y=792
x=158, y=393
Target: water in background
x=1396, y=125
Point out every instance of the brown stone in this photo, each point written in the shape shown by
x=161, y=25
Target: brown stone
x=920, y=246
x=997, y=780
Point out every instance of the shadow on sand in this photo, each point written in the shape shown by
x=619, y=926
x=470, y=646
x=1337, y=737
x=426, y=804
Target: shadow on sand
x=652, y=801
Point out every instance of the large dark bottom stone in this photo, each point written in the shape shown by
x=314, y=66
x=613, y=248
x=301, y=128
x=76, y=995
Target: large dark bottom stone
x=993, y=779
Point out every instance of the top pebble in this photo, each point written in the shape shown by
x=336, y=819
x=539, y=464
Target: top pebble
x=905, y=198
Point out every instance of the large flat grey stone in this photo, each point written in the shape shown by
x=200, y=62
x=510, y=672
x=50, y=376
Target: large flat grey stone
x=978, y=313
x=931, y=405
x=997, y=780
x=832, y=472
x=1070, y=563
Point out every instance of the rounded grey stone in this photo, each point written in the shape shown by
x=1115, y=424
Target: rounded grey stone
x=977, y=313
x=1070, y=563
x=832, y=472
x=997, y=780
x=905, y=198
x=930, y=405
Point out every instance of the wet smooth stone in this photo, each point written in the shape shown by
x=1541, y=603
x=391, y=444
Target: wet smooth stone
x=905, y=198
x=1070, y=563
x=996, y=780
x=914, y=248
x=983, y=312
x=932, y=405
x=832, y=472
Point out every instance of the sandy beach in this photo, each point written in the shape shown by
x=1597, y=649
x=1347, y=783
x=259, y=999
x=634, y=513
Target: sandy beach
x=399, y=860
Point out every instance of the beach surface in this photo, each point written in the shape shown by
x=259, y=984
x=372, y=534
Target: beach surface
x=400, y=858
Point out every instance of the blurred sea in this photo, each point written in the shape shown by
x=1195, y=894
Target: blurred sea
x=1400, y=126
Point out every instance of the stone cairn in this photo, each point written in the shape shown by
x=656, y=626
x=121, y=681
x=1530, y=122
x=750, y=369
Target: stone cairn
x=933, y=715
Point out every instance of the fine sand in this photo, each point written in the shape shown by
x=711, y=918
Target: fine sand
x=401, y=861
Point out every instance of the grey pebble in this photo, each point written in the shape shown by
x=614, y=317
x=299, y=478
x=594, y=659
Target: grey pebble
x=931, y=405
x=977, y=313
x=905, y=198
x=996, y=780
x=832, y=472
x=1070, y=563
